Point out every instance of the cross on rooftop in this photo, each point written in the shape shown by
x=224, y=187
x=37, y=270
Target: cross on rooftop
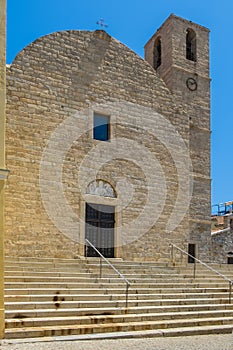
x=101, y=23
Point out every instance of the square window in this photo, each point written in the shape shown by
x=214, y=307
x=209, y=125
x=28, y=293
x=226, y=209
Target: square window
x=101, y=130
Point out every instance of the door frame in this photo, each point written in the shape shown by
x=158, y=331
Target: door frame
x=88, y=198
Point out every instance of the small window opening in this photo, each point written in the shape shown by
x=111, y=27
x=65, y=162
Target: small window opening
x=230, y=260
x=231, y=224
x=191, y=251
x=101, y=130
x=157, y=53
x=191, y=45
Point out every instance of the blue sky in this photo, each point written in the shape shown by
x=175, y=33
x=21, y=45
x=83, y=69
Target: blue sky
x=133, y=22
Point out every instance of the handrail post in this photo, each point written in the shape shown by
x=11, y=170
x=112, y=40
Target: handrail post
x=127, y=295
x=101, y=266
x=194, y=269
x=230, y=291
x=172, y=254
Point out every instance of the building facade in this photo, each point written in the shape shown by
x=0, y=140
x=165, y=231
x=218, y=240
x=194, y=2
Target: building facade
x=222, y=233
x=106, y=146
x=3, y=171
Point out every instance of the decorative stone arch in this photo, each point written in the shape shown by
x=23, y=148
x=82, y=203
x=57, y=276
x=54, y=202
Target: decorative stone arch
x=191, y=45
x=101, y=188
x=157, y=53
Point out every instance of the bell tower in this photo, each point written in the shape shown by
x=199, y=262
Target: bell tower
x=179, y=53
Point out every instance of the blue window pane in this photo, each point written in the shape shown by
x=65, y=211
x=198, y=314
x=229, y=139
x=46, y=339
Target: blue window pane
x=101, y=127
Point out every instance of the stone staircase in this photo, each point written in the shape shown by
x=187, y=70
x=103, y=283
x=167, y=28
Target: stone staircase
x=60, y=297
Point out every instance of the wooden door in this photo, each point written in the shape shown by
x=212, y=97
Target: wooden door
x=99, y=229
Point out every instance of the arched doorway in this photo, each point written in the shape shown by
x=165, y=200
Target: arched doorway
x=100, y=221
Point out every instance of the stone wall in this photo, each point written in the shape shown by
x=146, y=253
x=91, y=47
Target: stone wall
x=2, y=154
x=175, y=70
x=53, y=87
x=221, y=246
x=221, y=243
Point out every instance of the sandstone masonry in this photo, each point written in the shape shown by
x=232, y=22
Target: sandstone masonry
x=157, y=121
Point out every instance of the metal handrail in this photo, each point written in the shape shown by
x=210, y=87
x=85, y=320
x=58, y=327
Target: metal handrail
x=114, y=268
x=207, y=266
x=220, y=231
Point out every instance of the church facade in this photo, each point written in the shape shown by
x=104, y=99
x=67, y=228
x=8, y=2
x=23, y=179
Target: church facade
x=109, y=148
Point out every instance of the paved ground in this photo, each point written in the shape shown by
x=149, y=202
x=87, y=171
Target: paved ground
x=209, y=342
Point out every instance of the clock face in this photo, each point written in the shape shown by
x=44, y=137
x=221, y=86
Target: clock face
x=191, y=84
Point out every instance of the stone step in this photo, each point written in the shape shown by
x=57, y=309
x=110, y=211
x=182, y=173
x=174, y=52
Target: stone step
x=44, y=263
x=83, y=272
x=52, y=291
x=109, y=273
x=88, y=277
x=170, y=332
x=64, y=296
x=31, y=259
x=47, y=279
x=108, y=296
x=122, y=318
x=116, y=261
x=111, y=290
x=94, y=264
x=112, y=280
x=110, y=303
x=108, y=310
x=46, y=269
x=48, y=272
x=111, y=327
x=131, y=277
x=169, y=269
x=96, y=272
x=29, y=262
x=95, y=283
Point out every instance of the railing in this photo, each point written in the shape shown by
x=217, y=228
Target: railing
x=113, y=267
x=220, y=231
x=204, y=264
x=222, y=208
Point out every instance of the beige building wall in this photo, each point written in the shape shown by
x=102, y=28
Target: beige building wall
x=54, y=87
x=2, y=154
